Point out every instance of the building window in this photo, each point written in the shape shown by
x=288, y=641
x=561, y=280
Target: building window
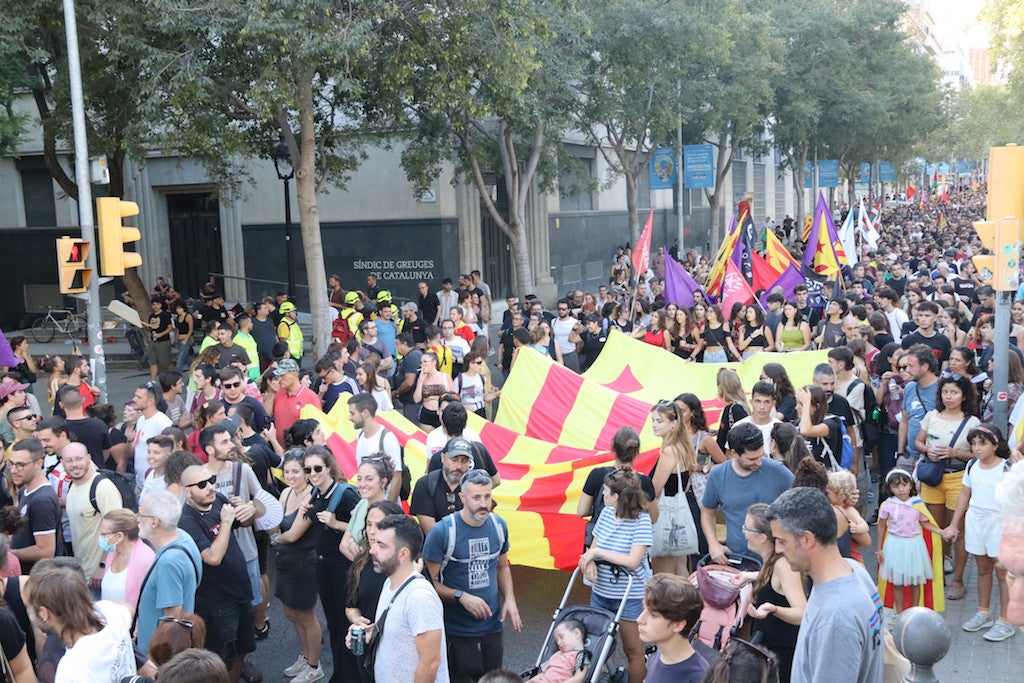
x=575, y=187
x=37, y=192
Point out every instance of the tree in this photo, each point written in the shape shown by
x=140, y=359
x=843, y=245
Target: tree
x=648, y=62
x=976, y=119
x=488, y=87
x=1005, y=19
x=229, y=77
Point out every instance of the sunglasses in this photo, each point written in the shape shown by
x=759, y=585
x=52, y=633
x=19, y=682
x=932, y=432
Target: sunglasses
x=315, y=468
x=181, y=622
x=450, y=499
x=204, y=483
x=231, y=385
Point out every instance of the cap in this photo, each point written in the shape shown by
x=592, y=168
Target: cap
x=286, y=307
x=8, y=388
x=459, y=447
x=232, y=422
x=352, y=297
x=923, y=273
x=942, y=264
x=383, y=295
x=410, y=306
x=286, y=365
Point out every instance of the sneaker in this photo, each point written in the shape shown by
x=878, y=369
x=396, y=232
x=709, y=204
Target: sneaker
x=296, y=668
x=251, y=673
x=947, y=565
x=262, y=633
x=1000, y=632
x=979, y=621
x=309, y=674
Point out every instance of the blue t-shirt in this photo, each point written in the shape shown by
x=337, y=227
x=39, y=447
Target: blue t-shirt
x=735, y=494
x=172, y=582
x=690, y=670
x=334, y=391
x=473, y=568
x=912, y=406
x=619, y=536
x=387, y=332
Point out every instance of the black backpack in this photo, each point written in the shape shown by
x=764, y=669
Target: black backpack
x=874, y=421
x=125, y=486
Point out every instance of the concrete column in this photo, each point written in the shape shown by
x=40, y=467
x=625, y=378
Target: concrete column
x=232, y=247
x=467, y=208
x=155, y=244
x=539, y=238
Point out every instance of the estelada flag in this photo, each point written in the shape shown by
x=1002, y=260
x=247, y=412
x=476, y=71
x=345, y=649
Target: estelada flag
x=820, y=255
x=642, y=253
x=725, y=253
x=943, y=223
x=808, y=222
x=777, y=255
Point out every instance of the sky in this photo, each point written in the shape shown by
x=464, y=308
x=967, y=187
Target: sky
x=957, y=24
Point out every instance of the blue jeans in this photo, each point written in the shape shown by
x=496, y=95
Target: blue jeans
x=716, y=356
x=185, y=357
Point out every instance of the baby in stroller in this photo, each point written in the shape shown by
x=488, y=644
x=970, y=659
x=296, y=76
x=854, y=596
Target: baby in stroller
x=565, y=666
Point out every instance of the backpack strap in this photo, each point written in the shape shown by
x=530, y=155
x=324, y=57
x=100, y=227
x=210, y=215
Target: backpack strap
x=449, y=554
x=92, y=492
x=335, y=501
x=236, y=477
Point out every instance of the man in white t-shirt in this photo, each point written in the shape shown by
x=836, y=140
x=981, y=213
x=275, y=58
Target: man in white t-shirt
x=448, y=298
x=562, y=328
x=151, y=422
x=888, y=297
x=453, y=424
x=762, y=404
x=375, y=438
x=413, y=644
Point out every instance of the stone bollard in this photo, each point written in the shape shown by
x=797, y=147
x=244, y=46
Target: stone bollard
x=923, y=637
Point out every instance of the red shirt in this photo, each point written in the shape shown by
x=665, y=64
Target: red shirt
x=466, y=332
x=288, y=406
x=87, y=398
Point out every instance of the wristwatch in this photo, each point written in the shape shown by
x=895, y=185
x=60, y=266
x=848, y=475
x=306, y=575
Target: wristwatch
x=458, y=595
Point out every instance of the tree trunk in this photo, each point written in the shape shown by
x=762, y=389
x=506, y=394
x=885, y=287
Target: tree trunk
x=631, y=208
x=799, y=167
x=309, y=218
x=725, y=155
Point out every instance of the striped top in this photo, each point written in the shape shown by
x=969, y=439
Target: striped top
x=620, y=535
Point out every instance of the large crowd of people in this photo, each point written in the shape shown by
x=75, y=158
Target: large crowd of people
x=152, y=541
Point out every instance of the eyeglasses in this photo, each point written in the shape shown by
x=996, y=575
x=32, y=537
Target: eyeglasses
x=182, y=622
x=315, y=468
x=204, y=483
x=477, y=476
x=754, y=531
x=231, y=385
x=15, y=465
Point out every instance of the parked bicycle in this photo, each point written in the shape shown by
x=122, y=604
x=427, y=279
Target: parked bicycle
x=57, y=320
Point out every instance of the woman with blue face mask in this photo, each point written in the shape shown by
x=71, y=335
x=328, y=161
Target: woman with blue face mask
x=127, y=560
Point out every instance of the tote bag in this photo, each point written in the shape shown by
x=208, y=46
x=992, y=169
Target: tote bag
x=675, y=532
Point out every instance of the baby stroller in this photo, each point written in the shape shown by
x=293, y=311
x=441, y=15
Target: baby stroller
x=602, y=627
x=725, y=605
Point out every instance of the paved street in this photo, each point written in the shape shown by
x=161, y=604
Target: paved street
x=971, y=658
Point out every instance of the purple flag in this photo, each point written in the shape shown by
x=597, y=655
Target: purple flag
x=788, y=280
x=9, y=360
x=679, y=286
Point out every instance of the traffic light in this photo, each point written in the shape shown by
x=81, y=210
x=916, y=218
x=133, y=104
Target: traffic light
x=1001, y=267
x=72, y=254
x=1005, y=183
x=114, y=260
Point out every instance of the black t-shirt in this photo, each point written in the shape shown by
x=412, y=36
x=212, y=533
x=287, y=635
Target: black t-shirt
x=592, y=346
x=428, y=306
x=938, y=343
x=12, y=638
x=260, y=419
x=368, y=591
x=418, y=329
x=810, y=316
x=208, y=313
x=507, y=349
x=41, y=511
x=431, y=497
x=840, y=407
x=816, y=445
x=93, y=434
x=264, y=333
x=410, y=364
x=327, y=539
x=964, y=287
x=899, y=285
x=732, y=414
x=227, y=583
x=263, y=458
x=159, y=322
x=231, y=354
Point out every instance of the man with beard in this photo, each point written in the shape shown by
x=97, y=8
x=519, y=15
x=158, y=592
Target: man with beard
x=413, y=609
x=177, y=567
x=38, y=503
x=436, y=494
x=466, y=555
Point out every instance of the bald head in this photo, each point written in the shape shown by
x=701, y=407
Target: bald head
x=194, y=473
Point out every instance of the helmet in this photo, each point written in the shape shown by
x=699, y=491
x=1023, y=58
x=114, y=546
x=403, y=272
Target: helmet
x=383, y=295
x=286, y=307
x=352, y=297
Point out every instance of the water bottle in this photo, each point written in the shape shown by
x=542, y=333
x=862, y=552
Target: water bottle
x=358, y=641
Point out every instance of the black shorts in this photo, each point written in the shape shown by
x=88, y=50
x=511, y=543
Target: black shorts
x=470, y=657
x=429, y=417
x=262, y=549
x=230, y=632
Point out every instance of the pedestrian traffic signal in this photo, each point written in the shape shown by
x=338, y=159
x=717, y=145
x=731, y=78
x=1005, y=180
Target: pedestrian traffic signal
x=1001, y=268
x=1005, y=183
x=114, y=260
x=72, y=274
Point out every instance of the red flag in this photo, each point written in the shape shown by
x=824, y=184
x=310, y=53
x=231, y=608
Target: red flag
x=642, y=251
x=735, y=288
x=944, y=198
x=911, y=191
x=764, y=274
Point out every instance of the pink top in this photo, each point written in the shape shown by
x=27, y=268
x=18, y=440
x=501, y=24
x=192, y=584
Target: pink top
x=903, y=518
x=559, y=668
x=139, y=563
x=13, y=566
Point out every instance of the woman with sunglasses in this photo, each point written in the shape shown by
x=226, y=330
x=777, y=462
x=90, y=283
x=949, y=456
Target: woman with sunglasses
x=365, y=582
x=474, y=388
x=779, y=598
x=295, y=552
x=372, y=480
x=329, y=511
x=128, y=558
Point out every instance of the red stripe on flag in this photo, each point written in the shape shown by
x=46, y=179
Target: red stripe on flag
x=626, y=383
x=554, y=404
x=626, y=411
x=564, y=534
x=344, y=452
x=499, y=441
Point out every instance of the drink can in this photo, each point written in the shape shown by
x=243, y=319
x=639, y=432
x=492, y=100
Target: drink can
x=358, y=640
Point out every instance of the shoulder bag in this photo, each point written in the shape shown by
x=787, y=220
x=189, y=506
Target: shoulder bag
x=930, y=472
x=675, y=532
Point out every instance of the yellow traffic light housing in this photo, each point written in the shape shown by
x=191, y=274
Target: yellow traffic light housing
x=114, y=260
x=1001, y=267
x=72, y=273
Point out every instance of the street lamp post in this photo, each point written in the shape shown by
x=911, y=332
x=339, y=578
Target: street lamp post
x=283, y=160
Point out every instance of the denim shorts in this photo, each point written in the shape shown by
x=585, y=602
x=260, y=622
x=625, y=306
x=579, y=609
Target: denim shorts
x=253, y=569
x=716, y=356
x=632, y=610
